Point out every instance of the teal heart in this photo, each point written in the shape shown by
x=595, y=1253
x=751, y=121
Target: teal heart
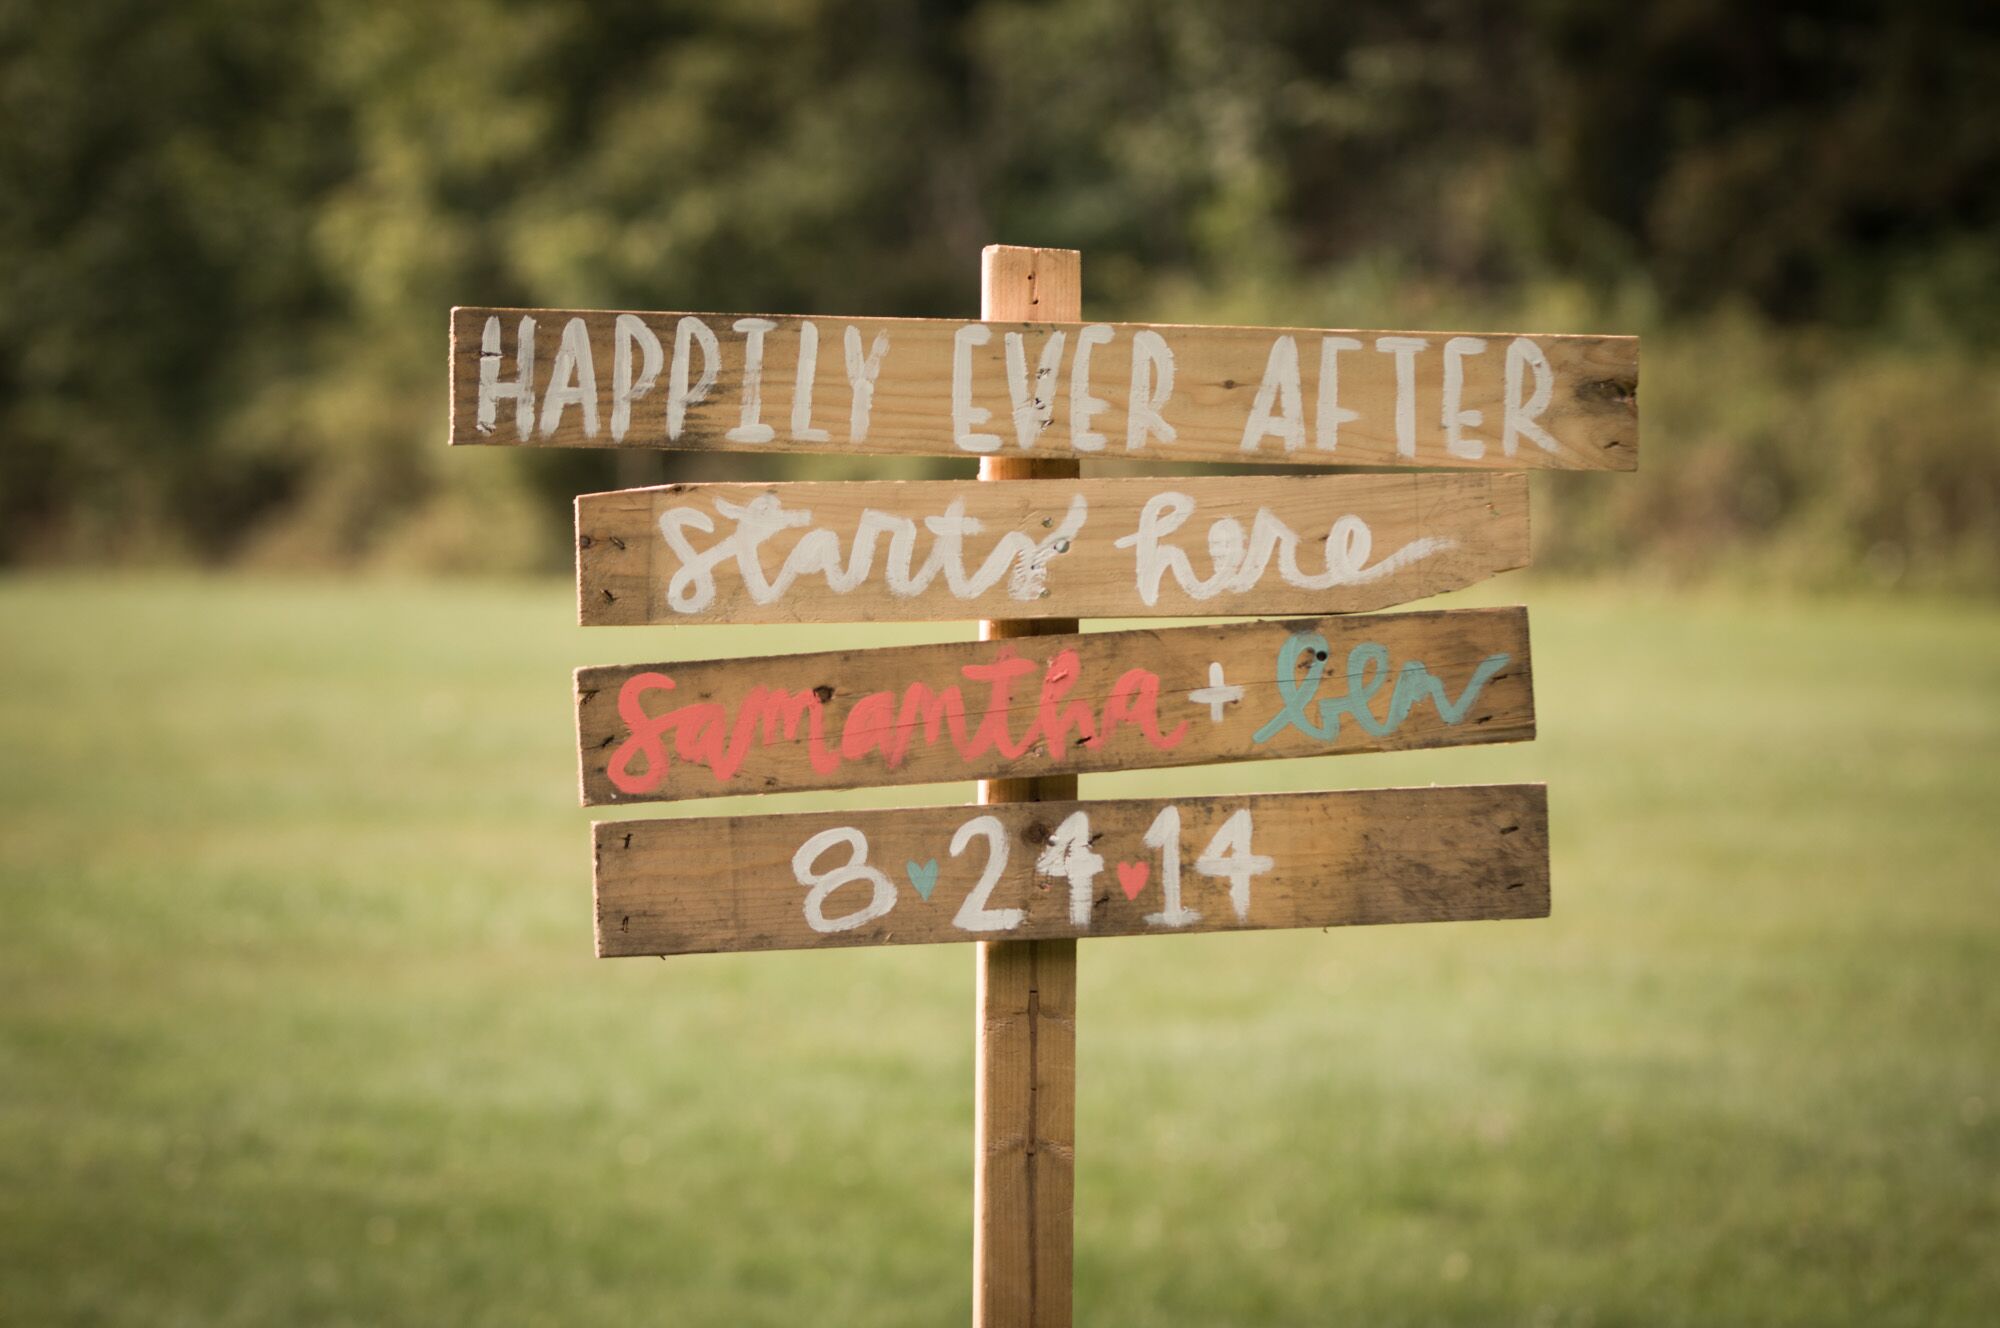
x=923, y=877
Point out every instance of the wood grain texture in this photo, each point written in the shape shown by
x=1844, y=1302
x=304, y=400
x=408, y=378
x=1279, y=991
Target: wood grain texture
x=1024, y=1172
x=1024, y=1008
x=1049, y=705
x=1285, y=544
x=1245, y=395
x=691, y=886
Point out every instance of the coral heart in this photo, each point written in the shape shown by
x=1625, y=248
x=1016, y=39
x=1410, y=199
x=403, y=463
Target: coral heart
x=924, y=877
x=1132, y=877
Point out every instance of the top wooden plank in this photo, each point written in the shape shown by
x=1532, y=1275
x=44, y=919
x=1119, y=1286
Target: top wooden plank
x=942, y=387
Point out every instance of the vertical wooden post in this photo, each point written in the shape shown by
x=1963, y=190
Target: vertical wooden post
x=1024, y=1166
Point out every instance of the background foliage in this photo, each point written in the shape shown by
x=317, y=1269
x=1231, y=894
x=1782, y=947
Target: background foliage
x=232, y=230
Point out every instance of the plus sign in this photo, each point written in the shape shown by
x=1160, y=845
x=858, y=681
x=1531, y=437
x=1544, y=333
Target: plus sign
x=1216, y=695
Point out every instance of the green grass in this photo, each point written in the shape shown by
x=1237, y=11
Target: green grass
x=298, y=1023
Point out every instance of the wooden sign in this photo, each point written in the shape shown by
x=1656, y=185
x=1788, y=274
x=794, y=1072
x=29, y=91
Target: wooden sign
x=941, y=387
x=1047, y=704
x=1071, y=869
x=894, y=552
x=1030, y=870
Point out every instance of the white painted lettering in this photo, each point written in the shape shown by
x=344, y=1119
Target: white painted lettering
x=965, y=415
x=1082, y=405
x=1240, y=561
x=1020, y=559
x=882, y=891
x=628, y=332
x=1068, y=855
x=1331, y=414
x=752, y=429
x=1522, y=414
x=1165, y=835
x=572, y=381
x=1034, y=404
x=802, y=387
x=1278, y=410
x=1456, y=417
x=974, y=914
x=861, y=375
x=1229, y=856
x=1406, y=350
x=689, y=333
x=492, y=391
x=1152, y=384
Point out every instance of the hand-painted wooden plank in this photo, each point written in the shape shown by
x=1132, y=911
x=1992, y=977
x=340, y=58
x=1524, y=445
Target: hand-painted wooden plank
x=1071, y=869
x=939, y=387
x=1048, y=704
x=929, y=550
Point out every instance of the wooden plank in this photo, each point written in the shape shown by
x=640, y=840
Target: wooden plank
x=1024, y=1004
x=917, y=876
x=1054, y=704
x=1041, y=548
x=943, y=387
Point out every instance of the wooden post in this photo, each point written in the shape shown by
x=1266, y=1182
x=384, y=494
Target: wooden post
x=1024, y=1164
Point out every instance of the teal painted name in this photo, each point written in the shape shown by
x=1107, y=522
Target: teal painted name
x=1367, y=674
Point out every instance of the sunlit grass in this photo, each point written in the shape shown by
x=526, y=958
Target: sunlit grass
x=299, y=1024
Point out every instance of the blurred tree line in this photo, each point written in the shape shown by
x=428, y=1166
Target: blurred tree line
x=232, y=231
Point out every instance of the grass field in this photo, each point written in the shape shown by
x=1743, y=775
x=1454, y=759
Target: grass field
x=299, y=1024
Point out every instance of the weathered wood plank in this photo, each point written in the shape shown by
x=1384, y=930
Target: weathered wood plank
x=940, y=387
x=1071, y=869
x=1051, y=704
x=1041, y=548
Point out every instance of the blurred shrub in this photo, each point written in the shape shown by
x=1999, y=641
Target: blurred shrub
x=232, y=231
x=1807, y=459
